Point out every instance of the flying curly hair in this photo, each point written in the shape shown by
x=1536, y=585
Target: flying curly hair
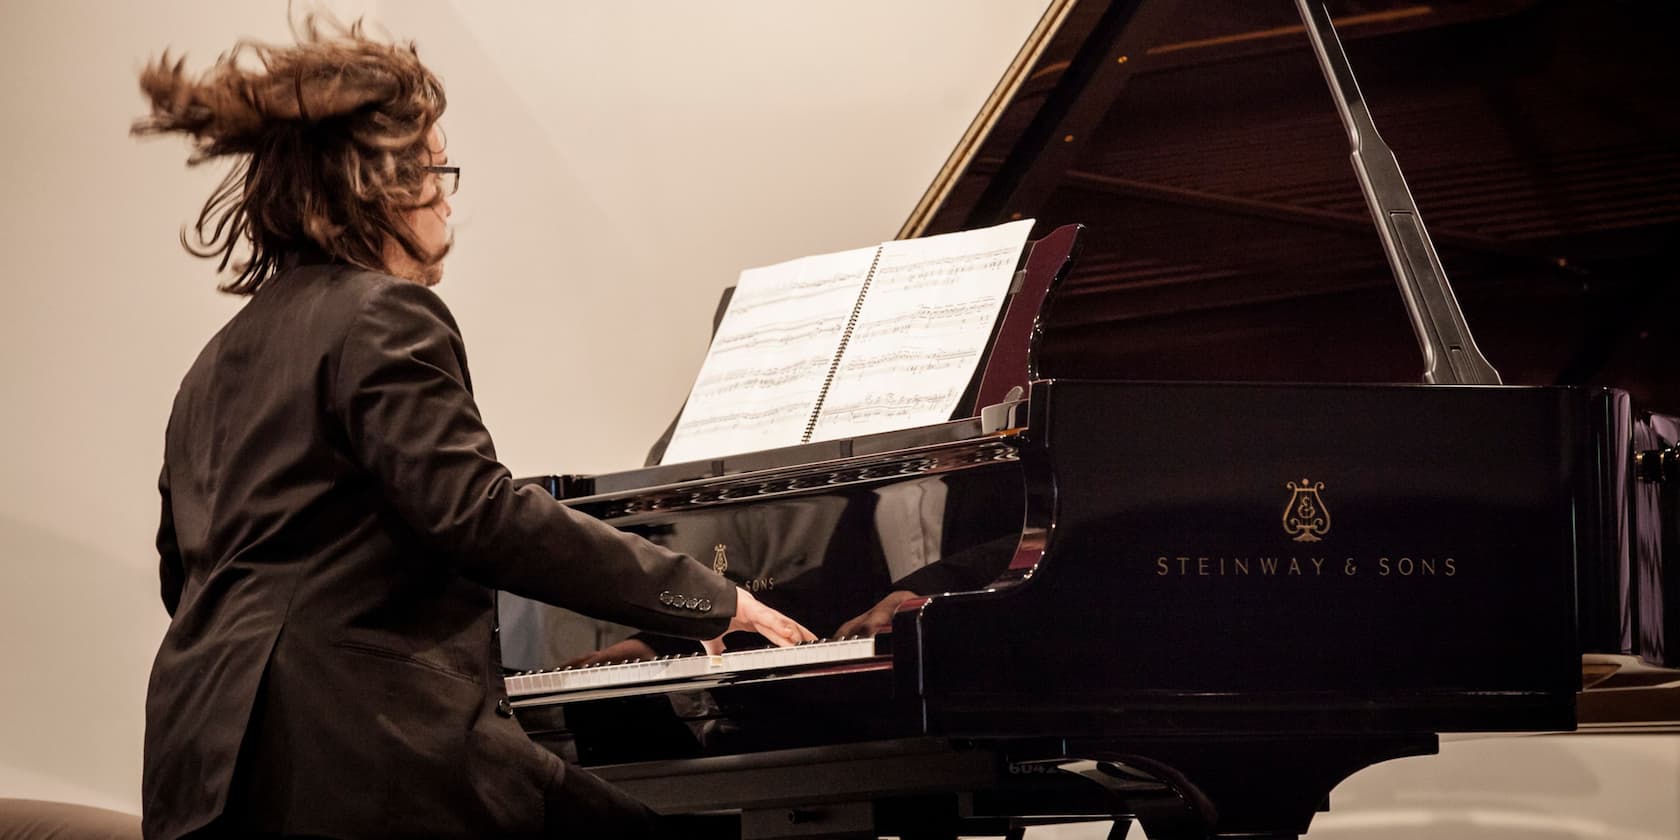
x=327, y=140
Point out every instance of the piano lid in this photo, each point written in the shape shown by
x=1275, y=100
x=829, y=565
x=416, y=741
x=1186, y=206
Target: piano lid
x=1227, y=236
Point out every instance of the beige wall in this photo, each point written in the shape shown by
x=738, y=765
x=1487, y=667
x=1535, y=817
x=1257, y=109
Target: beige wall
x=622, y=161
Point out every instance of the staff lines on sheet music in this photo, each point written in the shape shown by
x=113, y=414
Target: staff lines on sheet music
x=779, y=334
x=730, y=381
x=904, y=318
x=932, y=320
x=729, y=419
x=911, y=360
x=994, y=258
x=803, y=289
x=941, y=271
x=840, y=351
x=888, y=405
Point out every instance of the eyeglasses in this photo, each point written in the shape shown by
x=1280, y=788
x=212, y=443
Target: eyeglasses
x=448, y=179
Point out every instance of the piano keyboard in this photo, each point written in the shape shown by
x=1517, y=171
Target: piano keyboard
x=588, y=681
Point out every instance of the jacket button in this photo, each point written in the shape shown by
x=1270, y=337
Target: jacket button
x=504, y=708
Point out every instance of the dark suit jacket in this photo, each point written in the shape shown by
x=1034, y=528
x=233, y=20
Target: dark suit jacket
x=335, y=523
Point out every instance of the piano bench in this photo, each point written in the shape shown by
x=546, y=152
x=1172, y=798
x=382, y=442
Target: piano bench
x=34, y=819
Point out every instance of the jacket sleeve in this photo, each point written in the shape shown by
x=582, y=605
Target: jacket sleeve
x=171, y=576
x=403, y=395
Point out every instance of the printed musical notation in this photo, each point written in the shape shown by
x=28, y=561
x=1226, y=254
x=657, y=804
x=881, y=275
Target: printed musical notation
x=794, y=412
x=846, y=344
x=772, y=351
x=882, y=407
x=921, y=331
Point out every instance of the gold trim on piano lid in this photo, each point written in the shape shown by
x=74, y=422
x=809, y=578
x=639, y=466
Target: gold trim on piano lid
x=1001, y=96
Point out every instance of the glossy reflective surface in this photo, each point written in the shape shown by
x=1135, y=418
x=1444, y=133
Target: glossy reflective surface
x=825, y=543
x=1386, y=557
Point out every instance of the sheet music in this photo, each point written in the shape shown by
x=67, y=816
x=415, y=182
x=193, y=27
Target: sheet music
x=770, y=356
x=921, y=331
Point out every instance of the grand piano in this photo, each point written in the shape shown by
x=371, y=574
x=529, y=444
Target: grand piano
x=1203, y=544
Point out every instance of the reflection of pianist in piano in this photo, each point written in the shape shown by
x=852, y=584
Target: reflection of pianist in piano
x=841, y=565
x=335, y=519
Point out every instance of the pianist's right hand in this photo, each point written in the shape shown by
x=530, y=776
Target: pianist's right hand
x=878, y=619
x=752, y=616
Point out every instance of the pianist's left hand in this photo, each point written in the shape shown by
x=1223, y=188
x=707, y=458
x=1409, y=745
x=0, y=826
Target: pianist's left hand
x=878, y=619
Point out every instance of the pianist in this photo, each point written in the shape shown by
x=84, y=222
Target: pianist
x=335, y=521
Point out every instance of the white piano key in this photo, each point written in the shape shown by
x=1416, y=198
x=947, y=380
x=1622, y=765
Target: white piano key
x=683, y=667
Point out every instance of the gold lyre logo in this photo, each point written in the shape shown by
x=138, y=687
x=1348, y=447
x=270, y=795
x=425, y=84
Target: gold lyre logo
x=1306, y=519
x=720, y=558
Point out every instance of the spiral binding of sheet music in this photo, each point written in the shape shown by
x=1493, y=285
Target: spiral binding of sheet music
x=850, y=343
x=840, y=352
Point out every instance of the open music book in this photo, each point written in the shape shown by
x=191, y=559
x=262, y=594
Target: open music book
x=847, y=344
